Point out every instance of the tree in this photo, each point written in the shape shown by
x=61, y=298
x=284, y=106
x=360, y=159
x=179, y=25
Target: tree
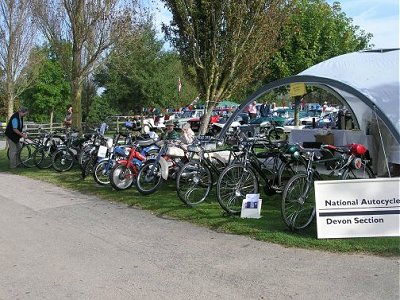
x=17, y=37
x=315, y=32
x=91, y=27
x=224, y=44
x=138, y=73
x=50, y=93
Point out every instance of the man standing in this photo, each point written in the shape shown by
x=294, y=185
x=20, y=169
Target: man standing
x=14, y=133
x=68, y=117
x=264, y=109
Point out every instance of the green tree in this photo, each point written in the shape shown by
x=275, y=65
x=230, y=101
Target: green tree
x=224, y=44
x=315, y=32
x=91, y=27
x=50, y=92
x=139, y=74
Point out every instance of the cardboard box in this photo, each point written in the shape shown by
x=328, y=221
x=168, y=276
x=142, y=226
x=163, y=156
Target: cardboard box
x=327, y=139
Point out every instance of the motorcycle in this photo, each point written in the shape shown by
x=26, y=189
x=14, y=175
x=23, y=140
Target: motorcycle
x=167, y=164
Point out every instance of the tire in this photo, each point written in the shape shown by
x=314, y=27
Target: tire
x=88, y=167
x=233, y=184
x=193, y=183
x=148, y=184
x=26, y=154
x=42, y=158
x=287, y=170
x=298, y=202
x=101, y=172
x=276, y=135
x=62, y=160
x=121, y=177
x=85, y=154
x=364, y=172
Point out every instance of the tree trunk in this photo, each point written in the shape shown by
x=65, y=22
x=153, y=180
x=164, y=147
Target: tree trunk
x=206, y=120
x=77, y=104
x=51, y=118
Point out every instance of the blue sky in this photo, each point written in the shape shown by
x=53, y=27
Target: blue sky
x=379, y=17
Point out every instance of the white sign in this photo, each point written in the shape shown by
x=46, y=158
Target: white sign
x=251, y=206
x=102, y=151
x=358, y=208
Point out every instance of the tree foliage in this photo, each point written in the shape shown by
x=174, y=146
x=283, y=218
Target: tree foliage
x=225, y=42
x=315, y=32
x=91, y=27
x=140, y=74
x=17, y=37
x=50, y=92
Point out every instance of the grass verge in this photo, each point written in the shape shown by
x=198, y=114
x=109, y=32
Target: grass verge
x=165, y=203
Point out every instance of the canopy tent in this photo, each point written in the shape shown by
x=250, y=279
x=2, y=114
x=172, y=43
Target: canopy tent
x=365, y=81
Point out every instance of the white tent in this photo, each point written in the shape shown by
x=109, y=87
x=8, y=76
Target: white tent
x=368, y=82
x=375, y=74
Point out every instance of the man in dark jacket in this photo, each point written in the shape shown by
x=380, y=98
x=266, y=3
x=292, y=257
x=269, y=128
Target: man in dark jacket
x=14, y=133
x=265, y=109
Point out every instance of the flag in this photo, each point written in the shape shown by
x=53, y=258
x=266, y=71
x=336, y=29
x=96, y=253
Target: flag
x=179, y=85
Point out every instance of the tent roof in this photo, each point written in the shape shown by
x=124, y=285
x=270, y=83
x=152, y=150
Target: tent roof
x=366, y=81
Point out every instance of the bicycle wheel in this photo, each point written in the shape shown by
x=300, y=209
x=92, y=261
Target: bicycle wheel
x=364, y=172
x=26, y=154
x=101, y=172
x=149, y=179
x=121, y=177
x=42, y=158
x=287, y=170
x=276, y=135
x=193, y=183
x=88, y=167
x=62, y=160
x=233, y=184
x=298, y=203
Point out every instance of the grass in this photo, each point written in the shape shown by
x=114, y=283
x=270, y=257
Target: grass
x=165, y=203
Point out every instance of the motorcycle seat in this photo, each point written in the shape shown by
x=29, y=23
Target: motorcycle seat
x=145, y=143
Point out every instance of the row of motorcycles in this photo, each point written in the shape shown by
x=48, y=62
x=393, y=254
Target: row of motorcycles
x=125, y=160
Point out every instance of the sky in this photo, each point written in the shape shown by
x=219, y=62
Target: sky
x=379, y=17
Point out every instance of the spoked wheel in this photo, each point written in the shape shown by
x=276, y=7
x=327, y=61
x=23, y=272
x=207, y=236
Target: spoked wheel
x=121, y=177
x=26, y=155
x=276, y=135
x=233, y=184
x=298, y=203
x=149, y=179
x=288, y=170
x=364, y=172
x=193, y=183
x=42, y=158
x=88, y=167
x=63, y=160
x=101, y=172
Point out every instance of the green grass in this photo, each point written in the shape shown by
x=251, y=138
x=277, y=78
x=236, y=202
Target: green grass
x=166, y=204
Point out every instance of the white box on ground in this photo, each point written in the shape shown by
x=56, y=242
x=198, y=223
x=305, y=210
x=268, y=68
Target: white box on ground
x=358, y=208
x=251, y=206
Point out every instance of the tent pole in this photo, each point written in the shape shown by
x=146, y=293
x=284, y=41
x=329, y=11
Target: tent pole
x=383, y=146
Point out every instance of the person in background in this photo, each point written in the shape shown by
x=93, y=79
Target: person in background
x=170, y=133
x=187, y=134
x=68, y=117
x=14, y=133
x=324, y=107
x=253, y=110
x=265, y=109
